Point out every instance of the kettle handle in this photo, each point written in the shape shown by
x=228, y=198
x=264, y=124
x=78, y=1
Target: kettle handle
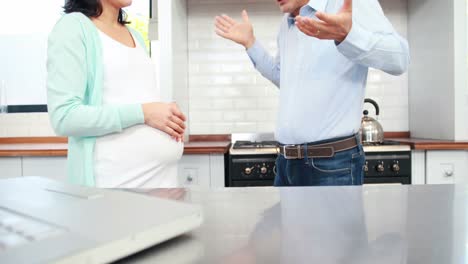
x=377, y=108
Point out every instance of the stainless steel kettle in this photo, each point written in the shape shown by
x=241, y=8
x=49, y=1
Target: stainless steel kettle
x=371, y=130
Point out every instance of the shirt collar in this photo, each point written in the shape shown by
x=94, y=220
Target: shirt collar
x=310, y=9
x=318, y=5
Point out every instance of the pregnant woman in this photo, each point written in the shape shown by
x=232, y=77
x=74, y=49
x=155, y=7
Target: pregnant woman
x=102, y=94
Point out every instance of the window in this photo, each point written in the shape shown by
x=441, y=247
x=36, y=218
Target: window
x=23, y=46
x=139, y=15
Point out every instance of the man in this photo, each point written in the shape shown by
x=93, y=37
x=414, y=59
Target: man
x=325, y=50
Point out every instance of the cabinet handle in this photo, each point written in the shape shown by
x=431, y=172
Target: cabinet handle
x=189, y=179
x=449, y=173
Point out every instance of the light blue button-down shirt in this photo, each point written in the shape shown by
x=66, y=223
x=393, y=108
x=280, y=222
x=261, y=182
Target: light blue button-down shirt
x=322, y=84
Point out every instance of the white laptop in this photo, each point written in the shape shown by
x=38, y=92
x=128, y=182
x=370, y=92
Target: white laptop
x=44, y=221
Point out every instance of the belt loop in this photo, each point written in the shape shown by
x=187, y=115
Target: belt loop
x=358, y=138
x=306, y=157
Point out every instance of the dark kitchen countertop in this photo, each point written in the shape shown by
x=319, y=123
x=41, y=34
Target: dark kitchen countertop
x=372, y=224
x=57, y=146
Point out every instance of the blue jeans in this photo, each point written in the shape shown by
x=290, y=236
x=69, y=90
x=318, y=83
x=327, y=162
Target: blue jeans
x=345, y=168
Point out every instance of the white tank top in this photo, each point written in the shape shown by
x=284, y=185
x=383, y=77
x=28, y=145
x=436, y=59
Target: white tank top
x=139, y=156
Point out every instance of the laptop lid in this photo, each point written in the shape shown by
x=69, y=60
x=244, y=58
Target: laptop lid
x=65, y=223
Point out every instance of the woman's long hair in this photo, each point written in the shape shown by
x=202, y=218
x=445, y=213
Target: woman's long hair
x=90, y=8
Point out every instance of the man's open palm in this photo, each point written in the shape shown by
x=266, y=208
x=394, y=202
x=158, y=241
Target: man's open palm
x=239, y=32
x=329, y=26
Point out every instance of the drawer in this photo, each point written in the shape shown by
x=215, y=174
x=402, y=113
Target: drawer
x=10, y=167
x=446, y=167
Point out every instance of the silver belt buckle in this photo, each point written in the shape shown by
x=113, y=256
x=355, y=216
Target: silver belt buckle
x=298, y=147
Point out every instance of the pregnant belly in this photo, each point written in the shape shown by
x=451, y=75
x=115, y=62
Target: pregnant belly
x=137, y=146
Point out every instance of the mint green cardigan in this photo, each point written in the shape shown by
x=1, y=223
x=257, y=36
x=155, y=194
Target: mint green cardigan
x=74, y=94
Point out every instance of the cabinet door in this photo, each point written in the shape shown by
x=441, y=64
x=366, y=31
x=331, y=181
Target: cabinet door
x=217, y=171
x=446, y=167
x=10, y=167
x=48, y=167
x=194, y=171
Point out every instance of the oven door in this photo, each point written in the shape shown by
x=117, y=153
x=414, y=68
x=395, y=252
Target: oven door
x=387, y=180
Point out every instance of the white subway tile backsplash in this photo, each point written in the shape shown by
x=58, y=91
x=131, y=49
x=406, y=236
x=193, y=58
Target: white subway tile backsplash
x=265, y=127
x=394, y=113
x=244, y=79
x=201, y=104
x=241, y=127
x=267, y=116
x=222, y=103
x=207, y=69
x=253, y=91
x=199, y=127
x=260, y=80
x=220, y=128
x=238, y=116
x=193, y=44
x=268, y=103
x=222, y=80
x=233, y=68
x=255, y=115
x=194, y=68
x=206, y=116
x=245, y=103
x=271, y=91
x=222, y=57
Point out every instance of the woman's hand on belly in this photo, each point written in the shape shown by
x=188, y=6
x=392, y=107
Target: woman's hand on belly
x=166, y=117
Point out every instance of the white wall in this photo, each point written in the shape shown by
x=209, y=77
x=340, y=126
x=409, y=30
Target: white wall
x=226, y=93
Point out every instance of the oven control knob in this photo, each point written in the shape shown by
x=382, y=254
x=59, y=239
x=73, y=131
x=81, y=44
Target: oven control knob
x=366, y=168
x=380, y=167
x=248, y=171
x=396, y=167
x=263, y=170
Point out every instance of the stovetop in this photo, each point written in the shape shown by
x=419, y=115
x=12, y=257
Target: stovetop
x=385, y=143
x=243, y=144
x=256, y=147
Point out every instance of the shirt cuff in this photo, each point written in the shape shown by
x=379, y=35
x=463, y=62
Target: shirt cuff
x=356, y=43
x=255, y=52
x=131, y=115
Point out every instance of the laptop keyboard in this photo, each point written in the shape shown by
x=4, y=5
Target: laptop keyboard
x=17, y=230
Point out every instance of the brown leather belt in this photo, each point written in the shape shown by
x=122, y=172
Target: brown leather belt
x=326, y=150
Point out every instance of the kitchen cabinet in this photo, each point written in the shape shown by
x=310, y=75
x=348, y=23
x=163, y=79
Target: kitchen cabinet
x=201, y=171
x=49, y=167
x=10, y=167
x=439, y=167
x=194, y=171
x=446, y=167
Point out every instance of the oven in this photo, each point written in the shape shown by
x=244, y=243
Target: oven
x=388, y=163
x=252, y=159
